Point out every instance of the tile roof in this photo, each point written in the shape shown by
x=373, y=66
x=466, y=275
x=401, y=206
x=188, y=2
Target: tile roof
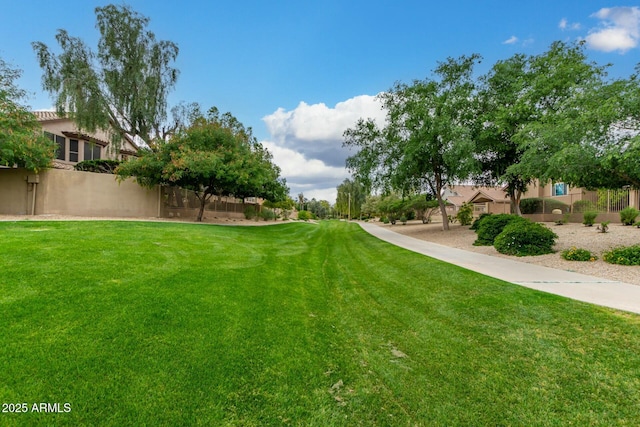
x=47, y=115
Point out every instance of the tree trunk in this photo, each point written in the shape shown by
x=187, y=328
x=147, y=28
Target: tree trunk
x=443, y=212
x=204, y=198
x=203, y=201
x=517, y=203
x=514, y=200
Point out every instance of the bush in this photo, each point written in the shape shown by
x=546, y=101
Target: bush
x=478, y=221
x=628, y=215
x=629, y=255
x=577, y=254
x=465, y=214
x=584, y=206
x=493, y=225
x=267, y=214
x=603, y=227
x=385, y=220
x=250, y=212
x=525, y=238
x=403, y=220
x=540, y=205
x=304, y=215
x=589, y=218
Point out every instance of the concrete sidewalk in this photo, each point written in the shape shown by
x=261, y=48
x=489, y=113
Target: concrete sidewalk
x=608, y=293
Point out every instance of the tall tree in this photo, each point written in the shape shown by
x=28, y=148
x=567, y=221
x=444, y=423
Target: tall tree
x=598, y=135
x=427, y=141
x=503, y=110
x=560, y=82
x=350, y=198
x=122, y=88
x=217, y=155
x=520, y=102
x=22, y=142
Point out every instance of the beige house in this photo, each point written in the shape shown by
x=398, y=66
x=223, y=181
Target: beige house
x=62, y=190
x=75, y=146
x=484, y=199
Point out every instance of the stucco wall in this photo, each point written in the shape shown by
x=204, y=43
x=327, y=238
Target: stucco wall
x=93, y=194
x=15, y=196
x=66, y=192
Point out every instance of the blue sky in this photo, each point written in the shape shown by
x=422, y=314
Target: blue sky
x=301, y=72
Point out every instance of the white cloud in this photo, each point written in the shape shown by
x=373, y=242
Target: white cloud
x=618, y=31
x=306, y=143
x=511, y=40
x=566, y=25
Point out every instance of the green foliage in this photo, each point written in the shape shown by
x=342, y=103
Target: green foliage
x=525, y=238
x=22, y=142
x=577, y=254
x=589, y=218
x=384, y=220
x=98, y=166
x=584, y=206
x=557, y=98
x=628, y=215
x=534, y=205
x=122, y=88
x=267, y=214
x=465, y=214
x=604, y=226
x=478, y=221
x=427, y=140
x=492, y=225
x=250, y=212
x=304, y=215
x=351, y=195
x=216, y=155
x=403, y=220
x=629, y=255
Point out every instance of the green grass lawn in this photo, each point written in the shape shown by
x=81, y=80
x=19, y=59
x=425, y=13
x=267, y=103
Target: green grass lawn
x=134, y=323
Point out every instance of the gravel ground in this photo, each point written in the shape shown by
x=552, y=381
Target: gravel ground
x=569, y=235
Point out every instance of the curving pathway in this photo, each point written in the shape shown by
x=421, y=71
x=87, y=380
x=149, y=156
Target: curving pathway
x=607, y=293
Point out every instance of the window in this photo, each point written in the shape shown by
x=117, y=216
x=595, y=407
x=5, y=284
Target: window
x=61, y=142
x=91, y=151
x=559, y=189
x=73, y=150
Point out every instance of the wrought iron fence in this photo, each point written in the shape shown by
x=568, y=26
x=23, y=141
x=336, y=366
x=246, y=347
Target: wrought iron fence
x=603, y=201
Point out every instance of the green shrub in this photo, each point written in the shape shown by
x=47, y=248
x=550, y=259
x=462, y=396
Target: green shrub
x=589, y=218
x=465, y=214
x=604, y=226
x=525, y=238
x=478, y=221
x=385, y=220
x=250, y=212
x=584, y=206
x=493, y=225
x=403, y=220
x=539, y=205
x=267, y=214
x=628, y=215
x=629, y=255
x=577, y=254
x=304, y=215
